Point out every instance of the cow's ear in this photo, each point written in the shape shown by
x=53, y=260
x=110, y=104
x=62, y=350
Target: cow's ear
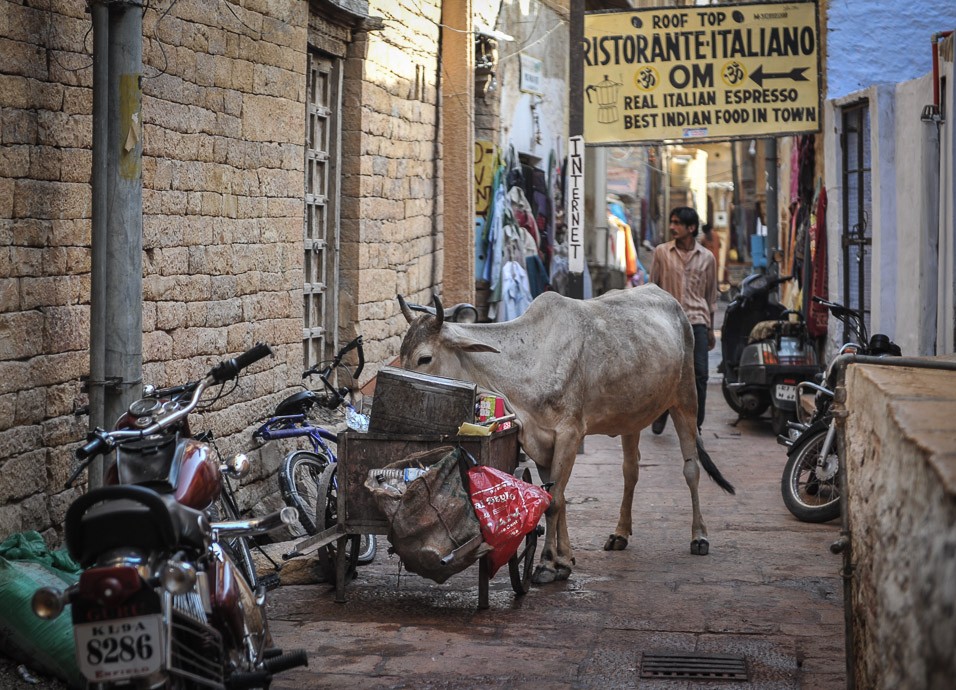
x=466, y=344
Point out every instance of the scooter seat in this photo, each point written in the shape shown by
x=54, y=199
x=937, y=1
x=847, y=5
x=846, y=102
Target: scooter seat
x=767, y=330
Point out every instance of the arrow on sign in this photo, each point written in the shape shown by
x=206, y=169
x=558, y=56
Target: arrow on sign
x=796, y=74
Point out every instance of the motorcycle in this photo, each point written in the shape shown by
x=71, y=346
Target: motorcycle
x=811, y=478
x=765, y=352
x=162, y=602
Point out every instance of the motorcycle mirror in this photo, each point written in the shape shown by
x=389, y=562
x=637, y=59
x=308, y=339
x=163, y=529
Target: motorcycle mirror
x=237, y=466
x=465, y=313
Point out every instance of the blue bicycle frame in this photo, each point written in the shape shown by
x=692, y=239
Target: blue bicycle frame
x=294, y=426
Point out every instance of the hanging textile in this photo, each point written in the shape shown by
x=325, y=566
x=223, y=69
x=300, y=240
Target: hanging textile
x=817, y=313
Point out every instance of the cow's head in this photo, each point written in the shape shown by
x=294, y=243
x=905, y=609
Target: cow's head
x=433, y=346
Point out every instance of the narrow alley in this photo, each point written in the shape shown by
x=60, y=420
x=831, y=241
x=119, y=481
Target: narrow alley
x=769, y=592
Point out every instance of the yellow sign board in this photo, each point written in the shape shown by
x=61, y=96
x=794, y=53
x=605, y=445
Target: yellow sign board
x=486, y=160
x=702, y=73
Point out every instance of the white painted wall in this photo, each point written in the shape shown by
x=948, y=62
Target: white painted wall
x=912, y=226
x=881, y=41
x=540, y=33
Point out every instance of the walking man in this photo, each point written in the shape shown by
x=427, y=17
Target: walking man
x=687, y=270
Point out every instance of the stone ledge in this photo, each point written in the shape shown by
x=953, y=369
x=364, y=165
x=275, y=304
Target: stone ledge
x=921, y=404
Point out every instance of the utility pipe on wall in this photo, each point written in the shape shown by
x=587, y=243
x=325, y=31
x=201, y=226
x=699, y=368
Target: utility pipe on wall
x=116, y=273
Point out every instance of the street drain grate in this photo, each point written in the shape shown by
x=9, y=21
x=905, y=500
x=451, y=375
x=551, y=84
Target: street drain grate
x=693, y=667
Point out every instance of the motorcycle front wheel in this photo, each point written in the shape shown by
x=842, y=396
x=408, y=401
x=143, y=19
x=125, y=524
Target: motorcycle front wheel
x=811, y=486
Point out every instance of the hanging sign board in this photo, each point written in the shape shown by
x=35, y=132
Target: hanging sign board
x=705, y=73
x=532, y=73
x=485, y=161
x=574, y=211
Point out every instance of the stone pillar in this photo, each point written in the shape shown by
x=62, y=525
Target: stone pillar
x=457, y=141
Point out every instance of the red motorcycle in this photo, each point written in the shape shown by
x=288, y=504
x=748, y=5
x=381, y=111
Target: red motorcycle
x=167, y=598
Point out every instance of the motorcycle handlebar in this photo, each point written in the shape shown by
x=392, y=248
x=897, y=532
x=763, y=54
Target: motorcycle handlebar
x=230, y=368
x=100, y=441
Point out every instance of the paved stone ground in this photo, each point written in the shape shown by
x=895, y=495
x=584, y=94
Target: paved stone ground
x=769, y=591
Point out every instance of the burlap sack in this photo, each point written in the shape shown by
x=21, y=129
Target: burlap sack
x=434, y=529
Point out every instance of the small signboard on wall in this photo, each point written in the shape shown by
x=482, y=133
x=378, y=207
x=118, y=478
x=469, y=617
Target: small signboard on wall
x=532, y=75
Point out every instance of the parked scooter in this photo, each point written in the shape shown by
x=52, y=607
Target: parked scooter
x=161, y=602
x=811, y=478
x=766, y=351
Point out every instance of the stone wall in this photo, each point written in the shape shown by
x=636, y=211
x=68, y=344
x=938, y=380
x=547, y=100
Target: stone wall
x=222, y=217
x=901, y=472
x=223, y=111
x=392, y=237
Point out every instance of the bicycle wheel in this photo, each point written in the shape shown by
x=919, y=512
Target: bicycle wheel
x=298, y=483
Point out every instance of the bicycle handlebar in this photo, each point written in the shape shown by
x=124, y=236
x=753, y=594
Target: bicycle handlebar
x=337, y=395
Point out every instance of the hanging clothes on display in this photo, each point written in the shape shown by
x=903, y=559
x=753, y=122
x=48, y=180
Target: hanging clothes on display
x=819, y=287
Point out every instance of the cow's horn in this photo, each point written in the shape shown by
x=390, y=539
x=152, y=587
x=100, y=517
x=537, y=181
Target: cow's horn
x=405, y=310
x=439, y=311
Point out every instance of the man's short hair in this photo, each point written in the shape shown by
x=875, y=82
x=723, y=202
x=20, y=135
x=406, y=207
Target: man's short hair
x=687, y=216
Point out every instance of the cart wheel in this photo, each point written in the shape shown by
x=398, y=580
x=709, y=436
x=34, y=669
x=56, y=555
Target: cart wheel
x=327, y=505
x=521, y=564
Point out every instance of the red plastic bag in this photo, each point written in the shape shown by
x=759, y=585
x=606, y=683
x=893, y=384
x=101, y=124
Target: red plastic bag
x=507, y=509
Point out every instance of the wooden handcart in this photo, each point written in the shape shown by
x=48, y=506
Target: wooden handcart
x=358, y=514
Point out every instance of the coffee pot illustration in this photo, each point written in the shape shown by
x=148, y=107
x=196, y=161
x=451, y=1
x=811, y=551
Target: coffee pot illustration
x=606, y=93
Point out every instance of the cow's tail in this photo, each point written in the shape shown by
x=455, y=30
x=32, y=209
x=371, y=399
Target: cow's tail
x=711, y=469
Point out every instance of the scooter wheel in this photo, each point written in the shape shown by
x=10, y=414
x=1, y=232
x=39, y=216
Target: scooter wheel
x=750, y=409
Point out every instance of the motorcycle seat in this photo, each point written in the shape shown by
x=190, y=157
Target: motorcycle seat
x=130, y=516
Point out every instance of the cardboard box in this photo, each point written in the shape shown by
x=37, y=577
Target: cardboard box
x=407, y=402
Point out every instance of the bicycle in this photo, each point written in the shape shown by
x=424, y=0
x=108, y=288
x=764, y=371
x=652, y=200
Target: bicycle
x=307, y=479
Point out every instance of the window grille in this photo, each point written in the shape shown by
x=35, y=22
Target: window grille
x=857, y=209
x=320, y=265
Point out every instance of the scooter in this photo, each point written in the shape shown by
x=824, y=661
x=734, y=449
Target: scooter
x=162, y=601
x=766, y=351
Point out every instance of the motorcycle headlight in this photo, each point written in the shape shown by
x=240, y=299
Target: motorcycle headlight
x=178, y=577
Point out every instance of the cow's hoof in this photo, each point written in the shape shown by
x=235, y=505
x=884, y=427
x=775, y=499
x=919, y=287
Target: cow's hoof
x=700, y=547
x=615, y=543
x=544, y=574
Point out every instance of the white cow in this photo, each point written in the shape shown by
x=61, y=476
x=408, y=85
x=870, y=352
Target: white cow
x=570, y=368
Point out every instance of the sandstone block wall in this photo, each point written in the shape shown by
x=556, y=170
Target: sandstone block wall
x=224, y=117
x=391, y=211
x=901, y=471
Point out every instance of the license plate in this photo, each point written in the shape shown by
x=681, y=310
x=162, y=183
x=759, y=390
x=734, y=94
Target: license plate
x=119, y=648
x=785, y=392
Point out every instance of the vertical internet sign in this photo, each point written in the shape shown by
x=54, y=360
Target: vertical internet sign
x=575, y=204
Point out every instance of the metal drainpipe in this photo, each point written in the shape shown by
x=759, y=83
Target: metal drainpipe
x=844, y=545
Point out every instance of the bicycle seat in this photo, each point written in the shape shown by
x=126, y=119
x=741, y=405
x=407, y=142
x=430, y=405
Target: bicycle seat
x=297, y=403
